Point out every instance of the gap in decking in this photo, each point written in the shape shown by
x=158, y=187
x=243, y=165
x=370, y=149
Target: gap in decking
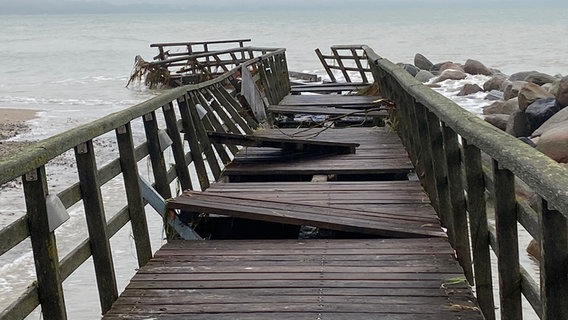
x=225, y=228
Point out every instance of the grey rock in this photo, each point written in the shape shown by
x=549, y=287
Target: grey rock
x=424, y=76
x=540, y=78
x=518, y=125
x=495, y=82
x=502, y=107
x=521, y=76
x=475, y=67
x=494, y=95
x=469, y=88
x=540, y=111
x=451, y=74
x=561, y=93
x=529, y=93
x=422, y=62
x=557, y=118
x=512, y=90
x=437, y=66
x=411, y=69
x=554, y=143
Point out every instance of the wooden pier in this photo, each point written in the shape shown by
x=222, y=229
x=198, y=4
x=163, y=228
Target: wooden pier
x=388, y=259
x=325, y=222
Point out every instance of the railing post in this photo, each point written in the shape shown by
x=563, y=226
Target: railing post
x=156, y=155
x=476, y=207
x=177, y=146
x=553, y=263
x=44, y=246
x=96, y=224
x=440, y=170
x=426, y=147
x=507, y=243
x=191, y=137
x=457, y=200
x=136, y=209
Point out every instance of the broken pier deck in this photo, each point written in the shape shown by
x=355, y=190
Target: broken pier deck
x=389, y=259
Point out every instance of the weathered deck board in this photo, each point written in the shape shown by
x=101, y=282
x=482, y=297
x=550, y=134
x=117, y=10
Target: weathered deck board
x=312, y=289
x=323, y=214
x=285, y=143
x=380, y=152
x=328, y=87
x=330, y=111
x=345, y=101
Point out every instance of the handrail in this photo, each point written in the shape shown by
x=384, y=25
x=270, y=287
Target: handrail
x=226, y=110
x=457, y=181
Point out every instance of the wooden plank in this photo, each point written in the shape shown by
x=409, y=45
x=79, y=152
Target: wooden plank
x=284, y=143
x=299, y=214
x=245, y=290
x=332, y=100
x=326, y=111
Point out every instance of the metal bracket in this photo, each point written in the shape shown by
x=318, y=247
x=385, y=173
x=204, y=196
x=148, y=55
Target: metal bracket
x=31, y=176
x=82, y=148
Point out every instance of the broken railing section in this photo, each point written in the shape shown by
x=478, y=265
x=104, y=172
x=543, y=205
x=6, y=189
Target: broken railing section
x=176, y=123
x=184, y=63
x=346, y=59
x=457, y=180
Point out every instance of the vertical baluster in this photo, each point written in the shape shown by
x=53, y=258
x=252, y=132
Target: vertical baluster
x=440, y=170
x=44, y=246
x=426, y=147
x=507, y=243
x=476, y=207
x=156, y=156
x=177, y=146
x=191, y=137
x=210, y=122
x=236, y=110
x=415, y=134
x=553, y=263
x=457, y=200
x=137, y=214
x=206, y=145
x=96, y=224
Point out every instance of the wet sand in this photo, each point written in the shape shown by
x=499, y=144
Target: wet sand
x=13, y=123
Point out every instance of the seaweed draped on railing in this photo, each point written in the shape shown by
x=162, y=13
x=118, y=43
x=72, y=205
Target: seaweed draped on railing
x=185, y=114
x=447, y=145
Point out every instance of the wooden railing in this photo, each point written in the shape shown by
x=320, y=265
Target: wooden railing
x=186, y=113
x=347, y=59
x=176, y=49
x=448, y=145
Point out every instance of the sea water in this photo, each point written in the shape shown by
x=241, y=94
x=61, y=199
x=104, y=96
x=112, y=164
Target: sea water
x=73, y=69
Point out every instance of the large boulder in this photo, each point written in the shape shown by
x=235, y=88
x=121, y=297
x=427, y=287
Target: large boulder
x=424, y=76
x=475, y=67
x=410, y=69
x=494, y=95
x=422, y=62
x=540, y=78
x=501, y=107
x=451, y=74
x=518, y=125
x=498, y=120
x=561, y=93
x=540, y=111
x=451, y=65
x=531, y=92
x=512, y=89
x=554, y=143
x=521, y=76
x=495, y=82
x=436, y=67
x=557, y=119
x=469, y=88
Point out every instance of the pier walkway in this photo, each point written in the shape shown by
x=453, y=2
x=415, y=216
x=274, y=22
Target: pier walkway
x=388, y=257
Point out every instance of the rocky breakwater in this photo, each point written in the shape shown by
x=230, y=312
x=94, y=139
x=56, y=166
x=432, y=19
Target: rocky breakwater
x=529, y=105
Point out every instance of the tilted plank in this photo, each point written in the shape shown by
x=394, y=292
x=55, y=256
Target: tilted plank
x=284, y=143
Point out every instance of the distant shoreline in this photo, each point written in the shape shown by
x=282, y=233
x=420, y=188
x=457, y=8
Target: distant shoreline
x=13, y=123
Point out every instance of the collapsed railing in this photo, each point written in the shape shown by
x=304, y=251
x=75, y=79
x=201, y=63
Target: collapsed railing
x=457, y=181
x=184, y=63
x=186, y=113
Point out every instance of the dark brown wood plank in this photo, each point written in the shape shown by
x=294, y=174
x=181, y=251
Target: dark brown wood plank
x=331, y=111
x=427, y=290
x=299, y=214
x=332, y=100
x=288, y=143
